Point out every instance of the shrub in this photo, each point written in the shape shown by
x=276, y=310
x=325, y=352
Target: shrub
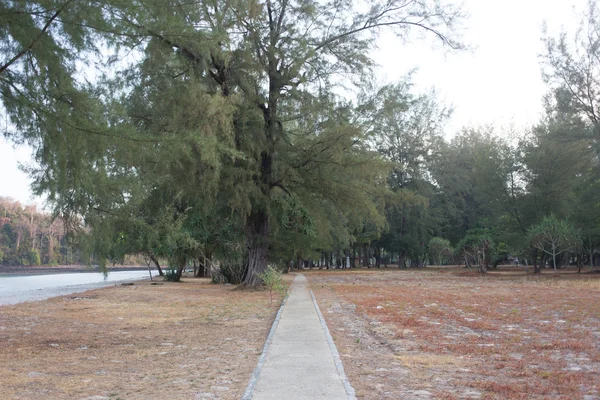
x=273, y=283
x=171, y=275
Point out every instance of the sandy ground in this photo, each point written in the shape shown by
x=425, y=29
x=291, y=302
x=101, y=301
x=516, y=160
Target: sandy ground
x=451, y=334
x=192, y=340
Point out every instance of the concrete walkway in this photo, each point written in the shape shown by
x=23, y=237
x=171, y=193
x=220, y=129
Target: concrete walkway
x=301, y=360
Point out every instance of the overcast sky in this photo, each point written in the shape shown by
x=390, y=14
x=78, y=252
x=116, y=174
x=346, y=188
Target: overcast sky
x=498, y=83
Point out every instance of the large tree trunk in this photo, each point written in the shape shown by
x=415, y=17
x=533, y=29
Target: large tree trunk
x=201, y=273
x=378, y=256
x=180, y=261
x=207, y=263
x=202, y=266
x=257, y=240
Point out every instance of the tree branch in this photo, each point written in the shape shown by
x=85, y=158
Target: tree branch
x=39, y=36
x=381, y=24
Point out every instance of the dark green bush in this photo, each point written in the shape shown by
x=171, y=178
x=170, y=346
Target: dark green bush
x=171, y=275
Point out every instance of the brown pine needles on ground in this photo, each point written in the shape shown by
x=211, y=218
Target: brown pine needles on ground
x=450, y=335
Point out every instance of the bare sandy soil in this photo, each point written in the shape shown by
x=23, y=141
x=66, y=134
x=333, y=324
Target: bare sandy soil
x=192, y=340
x=452, y=334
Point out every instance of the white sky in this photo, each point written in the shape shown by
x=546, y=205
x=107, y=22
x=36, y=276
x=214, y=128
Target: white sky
x=498, y=83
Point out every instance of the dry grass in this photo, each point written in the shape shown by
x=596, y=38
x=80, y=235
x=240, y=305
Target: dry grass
x=452, y=334
x=170, y=341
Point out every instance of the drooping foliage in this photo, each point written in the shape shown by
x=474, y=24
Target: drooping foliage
x=230, y=135
x=198, y=104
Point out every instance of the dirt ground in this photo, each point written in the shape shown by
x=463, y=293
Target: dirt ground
x=453, y=334
x=192, y=340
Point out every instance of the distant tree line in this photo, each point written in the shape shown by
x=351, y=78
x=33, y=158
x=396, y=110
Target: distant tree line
x=32, y=237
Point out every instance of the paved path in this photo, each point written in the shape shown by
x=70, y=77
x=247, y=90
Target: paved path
x=301, y=361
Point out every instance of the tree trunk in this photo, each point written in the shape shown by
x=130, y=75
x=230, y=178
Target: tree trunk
x=203, y=265
x=207, y=262
x=366, y=255
x=179, y=271
x=147, y=260
x=591, y=251
x=400, y=259
x=360, y=256
x=257, y=240
x=378, y=256
x=537, y=265
x=467, y=262
x=158, y=268
x=179, y=261
x=554, y=256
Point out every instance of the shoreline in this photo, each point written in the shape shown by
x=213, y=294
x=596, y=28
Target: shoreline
x=61, y=269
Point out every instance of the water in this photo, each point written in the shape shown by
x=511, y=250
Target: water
x=17, y=289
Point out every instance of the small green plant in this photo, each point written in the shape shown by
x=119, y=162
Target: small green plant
x=273, y=283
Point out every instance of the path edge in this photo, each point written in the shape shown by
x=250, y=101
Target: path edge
x=336, y=356
x=249, y=392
